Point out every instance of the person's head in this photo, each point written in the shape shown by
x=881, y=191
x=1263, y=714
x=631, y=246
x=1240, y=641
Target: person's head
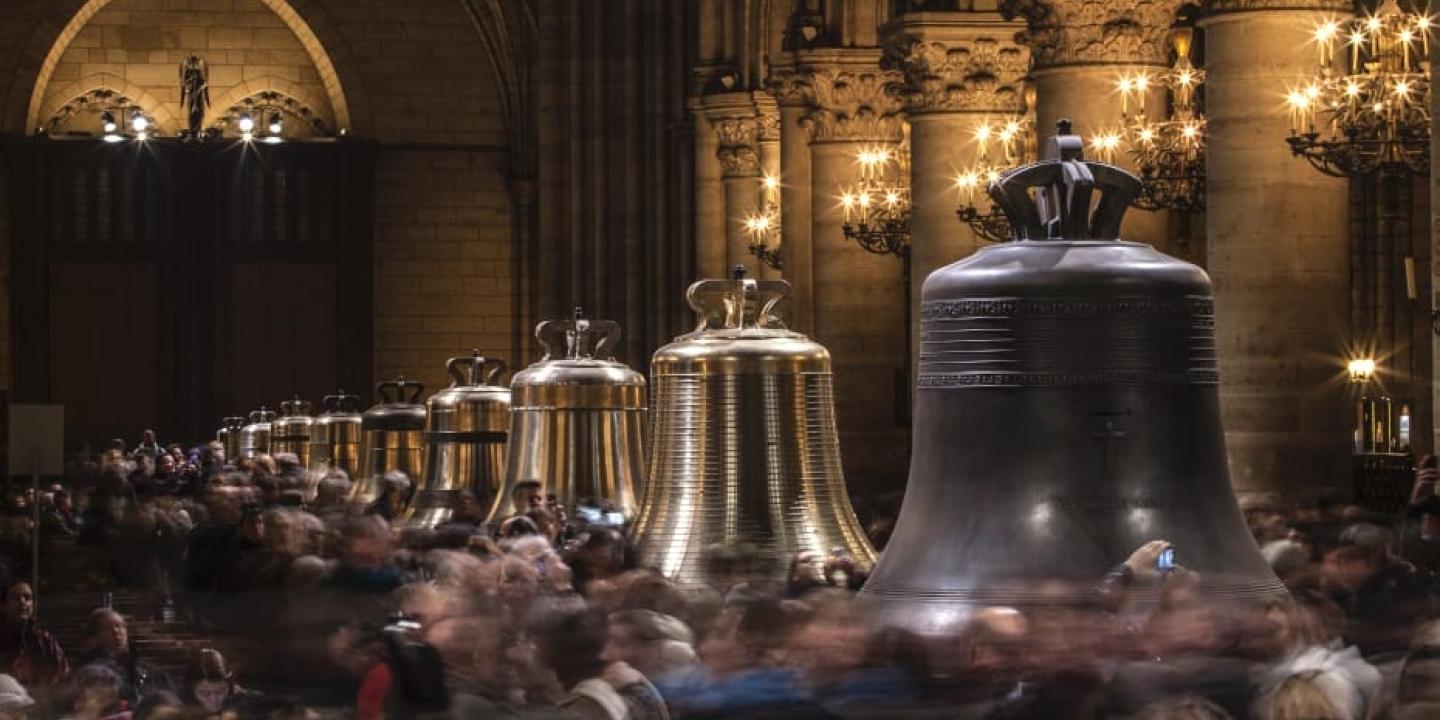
x=527, y=494
x=165, y=464
x=92, y=689
x=148, y=437
x=106, y=631
x=545, y=523
x=747, y=634
x=1319, y=684
x=1286, y=558
x=366, y=542
x=994, y=640
x=332, y=489
x=1188, y=707
x=1302, y=696
x=15, y=701
x=252, y=523
x=648, y=641
x=20, y=602
x=518, y=581
x=159, y=705
x=807, y=569
x=210, y=681
x=480, y=649
x=517, y=526
x=1350, y=567
x=572, y=645
x=603, y=552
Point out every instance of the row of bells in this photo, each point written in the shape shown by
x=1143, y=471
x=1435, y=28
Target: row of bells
x=1066, y=413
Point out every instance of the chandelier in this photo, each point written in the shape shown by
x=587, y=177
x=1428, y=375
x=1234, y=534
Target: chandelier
x=1373, y=116
x=1169, y=154
x=1015, y=140
x=763, y=226
x=877, y=209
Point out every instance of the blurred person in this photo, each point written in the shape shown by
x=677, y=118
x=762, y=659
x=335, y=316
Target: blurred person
x=527, y=495
x=1382, y=596
x=209, y=684
x=806, y=573
x=602, y=553
x=1265, y=514
x=1426, y=474
x=160, y=705
x=108, y=639
x=546, y=524
x=1287, y=558
x=574, y=647
x=394, y=494
x=332, y=496
x=1189, y=707
x=57, y=515
x=653, y=643
x=15, y=700
x=1423, y=548
x=148, y=446
x=487, y=667
x=847, y=673
x=1420, y=673
x=92, y=693
x=517, y=526
x=1319, y=684
x=28, y=652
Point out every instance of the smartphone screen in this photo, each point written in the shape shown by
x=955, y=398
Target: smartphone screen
x=1166, y=561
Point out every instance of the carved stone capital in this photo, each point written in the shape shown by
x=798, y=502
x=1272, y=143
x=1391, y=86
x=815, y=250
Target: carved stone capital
x=739, y=151
x=851, y=97
x=770, y=127
x=1218, y=7
x=1095, y=32
x=984, y=73
x=787, y=84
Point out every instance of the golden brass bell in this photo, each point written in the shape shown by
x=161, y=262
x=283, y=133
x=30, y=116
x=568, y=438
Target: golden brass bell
x=394, y=433
x=255, y=437
x=744, y=447
x=577, y=420
x=466, y=427
x=336, y=440
x=290, y=433
x=229, y=436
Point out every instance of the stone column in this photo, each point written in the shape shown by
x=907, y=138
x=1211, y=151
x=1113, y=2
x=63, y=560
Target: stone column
x=1278, y=236
x=859, y=302
x=791, y=93
x=770, y=160
x=1080, y=49
x=709, y=199
x=737, y=129
x=960, y=71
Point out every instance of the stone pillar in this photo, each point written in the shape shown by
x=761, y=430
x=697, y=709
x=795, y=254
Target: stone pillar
x=960, y=71
x=770, y=160
x=1080, y=49
x=1278, y=236
x=1434, y=261
x=859, y=302
x=737, y=129
x=791, y=93
x=709, y=199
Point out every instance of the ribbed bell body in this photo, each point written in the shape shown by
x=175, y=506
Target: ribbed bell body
x=577, y=421
x=466, y=428
x=336, y=440
x=744, y=445
x=1066, y=413
x=394, y=437
x=255, y=436
x=229, y=436
x=290, y=433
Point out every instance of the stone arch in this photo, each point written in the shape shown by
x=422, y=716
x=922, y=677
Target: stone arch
x=73, y=91
x=221, y=106
x=305, y=18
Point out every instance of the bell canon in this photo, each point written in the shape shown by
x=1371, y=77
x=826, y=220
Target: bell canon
x=577, y=421
x=466, y=427
x=335, y=437
x=1067, y=413
x=394, y=437
x=290, y=433
x=745, y=449
x=229, y=436
x=255, y=436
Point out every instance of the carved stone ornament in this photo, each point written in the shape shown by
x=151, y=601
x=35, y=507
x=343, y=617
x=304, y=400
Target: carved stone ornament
x=770, y=126
x=788, y=85
x=853, y=105
x=738, y=154
x=1083, y=32
x=984, y=74
x=1216, y=7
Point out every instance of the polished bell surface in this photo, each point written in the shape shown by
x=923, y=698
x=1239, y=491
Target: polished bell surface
x=336, y=440
x=1067, y=412
x=229, y=436
x=466, y=428
x=394, y=437
x=577, y=421
x=255, y=436
x=744, y=448
x=290, y=433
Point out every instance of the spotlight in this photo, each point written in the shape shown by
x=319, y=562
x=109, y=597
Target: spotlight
x=107, y=122
x=246, y=124
x=276, y=123
x=139, y=122
x=1361, y=369
x=113, y=138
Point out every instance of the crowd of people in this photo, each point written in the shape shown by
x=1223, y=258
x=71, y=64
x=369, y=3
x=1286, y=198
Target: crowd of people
x=331, y=607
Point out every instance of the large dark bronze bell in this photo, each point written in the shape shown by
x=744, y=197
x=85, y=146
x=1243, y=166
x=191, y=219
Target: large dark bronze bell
x=1067, y=412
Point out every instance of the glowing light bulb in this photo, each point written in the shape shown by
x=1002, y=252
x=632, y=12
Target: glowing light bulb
x=246, y=124
x=771, y=182
x=107, y=120
x=139, y=122
x=277, y=123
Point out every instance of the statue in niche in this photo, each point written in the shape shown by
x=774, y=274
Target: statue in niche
x=194, y=94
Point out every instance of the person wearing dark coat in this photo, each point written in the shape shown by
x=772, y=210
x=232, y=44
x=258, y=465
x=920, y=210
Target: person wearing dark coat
x=28, y=652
